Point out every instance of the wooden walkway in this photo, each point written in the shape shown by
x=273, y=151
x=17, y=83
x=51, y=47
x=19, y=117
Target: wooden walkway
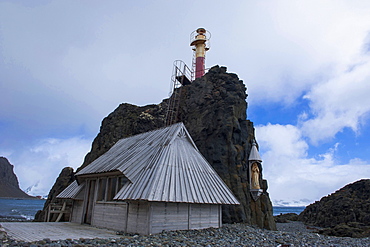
x=35, y=231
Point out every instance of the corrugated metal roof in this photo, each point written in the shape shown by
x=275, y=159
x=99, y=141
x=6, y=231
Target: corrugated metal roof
x=254, y=155
x=71, y=191
x=163, y=165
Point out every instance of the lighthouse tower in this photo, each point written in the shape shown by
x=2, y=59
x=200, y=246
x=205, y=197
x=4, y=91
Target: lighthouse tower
x=200, y=43
x=182, y=75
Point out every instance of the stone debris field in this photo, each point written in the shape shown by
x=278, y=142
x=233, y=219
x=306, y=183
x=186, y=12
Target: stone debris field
x=289, y=234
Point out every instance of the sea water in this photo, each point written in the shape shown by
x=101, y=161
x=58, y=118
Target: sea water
x=285, y=210
x=20, y=209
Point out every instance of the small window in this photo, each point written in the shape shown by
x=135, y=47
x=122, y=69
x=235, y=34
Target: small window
x=102, y=189
x=109, y=187
x=112, y=187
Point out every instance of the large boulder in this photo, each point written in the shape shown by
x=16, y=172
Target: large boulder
x=343, y=213
x=350, y=229
x=285, y=218
x=213, y=109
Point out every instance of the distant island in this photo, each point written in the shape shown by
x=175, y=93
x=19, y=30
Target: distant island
x=9, y=186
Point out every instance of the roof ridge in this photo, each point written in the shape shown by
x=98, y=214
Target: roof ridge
x=150, y=131
x=162, y=165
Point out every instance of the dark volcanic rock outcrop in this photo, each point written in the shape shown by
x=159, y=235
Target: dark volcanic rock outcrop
x=285, y=218
x=126, y=120
x=213, y=109
x=9, y=186
x=346, y=212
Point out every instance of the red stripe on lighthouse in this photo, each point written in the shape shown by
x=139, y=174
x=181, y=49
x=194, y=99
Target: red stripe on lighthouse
x=199, y=67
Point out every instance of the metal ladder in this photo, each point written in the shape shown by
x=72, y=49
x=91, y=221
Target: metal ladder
x=182, y=75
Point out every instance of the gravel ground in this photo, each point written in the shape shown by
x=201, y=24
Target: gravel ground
x=288, y=234
x=296, y=226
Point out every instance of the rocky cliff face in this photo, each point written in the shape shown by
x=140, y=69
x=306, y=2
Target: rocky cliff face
x=213, y=109
x=126, y=120
x=346, y=212
x=9, y=186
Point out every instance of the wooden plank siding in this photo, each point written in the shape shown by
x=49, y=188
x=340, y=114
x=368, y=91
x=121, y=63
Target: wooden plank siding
x=77, y=211
x=183, y=216
x=204, y=216
x=110, y=215
x=138, y=217
x=150, y=217
x=169, y=216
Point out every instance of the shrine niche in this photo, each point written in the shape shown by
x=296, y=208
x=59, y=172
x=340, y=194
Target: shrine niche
x=255, y=172
x=255, y=177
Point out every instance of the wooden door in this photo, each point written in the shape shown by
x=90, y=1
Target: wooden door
x=90, y=201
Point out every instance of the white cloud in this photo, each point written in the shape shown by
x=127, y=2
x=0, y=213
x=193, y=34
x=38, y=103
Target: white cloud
x=333, y=53
x=338, y=103
x=289, y=47
x=102, y=56
x=41, y=163
x=82, y=66
x=293, y=175
x=64, y=73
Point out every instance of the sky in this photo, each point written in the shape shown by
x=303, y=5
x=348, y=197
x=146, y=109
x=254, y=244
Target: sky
x=65, y=65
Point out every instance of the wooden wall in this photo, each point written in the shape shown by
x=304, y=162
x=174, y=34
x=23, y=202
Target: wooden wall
x=150, y=217
x=138, y=217
x=182, y=216
x=77, y=211
x=169, y=216
x=110, y=215
x=204, y=216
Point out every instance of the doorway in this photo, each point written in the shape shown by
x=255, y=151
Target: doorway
x=90, y=201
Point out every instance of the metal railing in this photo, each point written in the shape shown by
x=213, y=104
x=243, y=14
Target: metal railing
x=181, y=75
